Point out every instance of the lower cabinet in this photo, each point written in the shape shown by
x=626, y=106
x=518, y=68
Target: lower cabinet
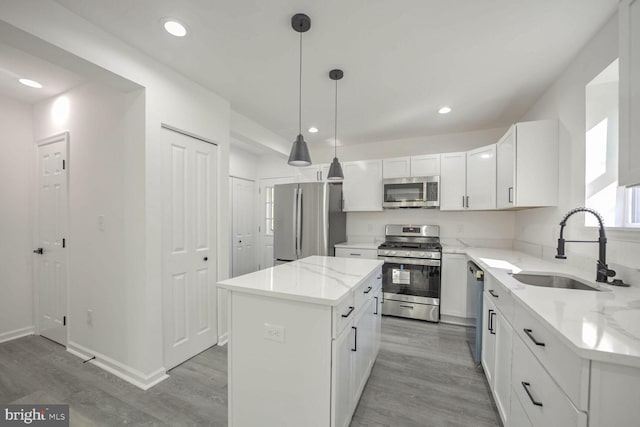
x=354, y=352
x=453, y=294
x=356, y=253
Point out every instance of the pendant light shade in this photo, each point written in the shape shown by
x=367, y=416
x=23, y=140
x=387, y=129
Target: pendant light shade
x=299, y=151
x=335, y=170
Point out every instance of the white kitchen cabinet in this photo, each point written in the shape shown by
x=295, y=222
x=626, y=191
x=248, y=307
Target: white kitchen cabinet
x=314, y=173
x=363, y=347
x=362, y=185
x=377, y=322
x=481, y=178
x=342, y=393
x=453, y=181
x=453, y=289
x=527, y=165
x=488, y=338
x=502, y=373
x=426, y=165
x=397, y=167
x=357, y=253
x=629, y=127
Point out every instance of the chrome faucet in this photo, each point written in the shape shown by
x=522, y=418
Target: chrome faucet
x=603, y=271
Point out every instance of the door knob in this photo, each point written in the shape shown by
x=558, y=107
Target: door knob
x=38, y=251
x=239, y=241
x=206, y=258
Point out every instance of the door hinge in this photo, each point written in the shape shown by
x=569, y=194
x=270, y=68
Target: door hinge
x=64, y=164
x=64, y=320
x=64, y=243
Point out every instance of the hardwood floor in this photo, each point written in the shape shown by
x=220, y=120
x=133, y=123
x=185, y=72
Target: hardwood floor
x=423, y=377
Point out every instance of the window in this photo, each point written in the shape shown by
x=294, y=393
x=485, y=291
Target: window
x=269, y=210
x=619, y=206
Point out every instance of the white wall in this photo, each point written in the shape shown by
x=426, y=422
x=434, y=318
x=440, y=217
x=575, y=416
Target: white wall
x=169, y=98
x=243, y=164
x=16, y=178
x=565, y=100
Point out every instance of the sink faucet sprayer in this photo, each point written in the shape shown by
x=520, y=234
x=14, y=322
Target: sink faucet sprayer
x=603, y=271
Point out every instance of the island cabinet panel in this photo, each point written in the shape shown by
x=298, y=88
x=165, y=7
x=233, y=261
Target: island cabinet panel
x=614, y=395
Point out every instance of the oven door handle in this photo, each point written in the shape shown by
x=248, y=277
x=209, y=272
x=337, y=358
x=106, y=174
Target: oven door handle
x=410, y=261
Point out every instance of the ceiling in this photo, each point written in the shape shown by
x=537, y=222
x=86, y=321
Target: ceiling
x=16, y=64
x=489, y=60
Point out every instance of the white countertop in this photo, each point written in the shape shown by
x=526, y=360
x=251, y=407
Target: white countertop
x=315, y=279
x=358, y=245
x=603, y=326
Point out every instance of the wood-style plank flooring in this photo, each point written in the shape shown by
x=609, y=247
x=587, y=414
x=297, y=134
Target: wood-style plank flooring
x=423, y=377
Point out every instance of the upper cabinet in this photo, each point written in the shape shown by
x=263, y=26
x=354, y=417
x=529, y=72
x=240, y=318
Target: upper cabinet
x=481, y=178
x=427, y=165
x=402, y=167
x=314, y=173
x=468, y=180
x=527, y=165
x=362, y=185
x=629, y=132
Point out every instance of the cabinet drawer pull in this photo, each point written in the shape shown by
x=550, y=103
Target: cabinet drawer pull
x=491, y=329
x=376, y=312
x=493, y=294
x=355, y=254
x=368, y=290
x=510, y=194
x=490, y=321
x=526, y=388
x=351, y=308
x=355, y=339
x=406, y=306
x=529, y=333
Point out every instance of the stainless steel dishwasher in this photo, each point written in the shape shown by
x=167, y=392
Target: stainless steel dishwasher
x=475, y=288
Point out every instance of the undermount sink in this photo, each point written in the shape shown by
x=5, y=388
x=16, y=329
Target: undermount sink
x=552, y=281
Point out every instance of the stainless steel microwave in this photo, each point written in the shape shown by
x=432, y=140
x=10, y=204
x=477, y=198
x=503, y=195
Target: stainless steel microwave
x=413, y=192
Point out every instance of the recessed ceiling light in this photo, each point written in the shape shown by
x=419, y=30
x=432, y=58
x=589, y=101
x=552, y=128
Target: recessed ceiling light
x=30, y=83
x=444, y=110
x=313, y=129
x=175, y=28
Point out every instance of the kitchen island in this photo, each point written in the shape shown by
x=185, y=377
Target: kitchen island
x=303, y=337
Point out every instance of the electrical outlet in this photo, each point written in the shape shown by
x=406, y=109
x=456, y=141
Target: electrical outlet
x=90, y=317
x=274, y=332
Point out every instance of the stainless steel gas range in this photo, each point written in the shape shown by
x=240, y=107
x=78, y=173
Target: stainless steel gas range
x=411, y=272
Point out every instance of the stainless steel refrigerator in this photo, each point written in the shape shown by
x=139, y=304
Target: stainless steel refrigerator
x=308, y=220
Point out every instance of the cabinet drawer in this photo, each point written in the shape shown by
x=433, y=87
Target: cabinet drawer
x=364, y=291
x=543, y=401
x=343, y=314
x=501, y=297
x=567, y=369
x=357, y=253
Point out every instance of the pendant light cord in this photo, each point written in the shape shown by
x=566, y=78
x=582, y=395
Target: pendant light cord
x=335, y=129
x=300, y=92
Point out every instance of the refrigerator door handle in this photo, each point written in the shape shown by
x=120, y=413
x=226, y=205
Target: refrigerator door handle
x=298, y=221
x=325, y=212
x=294, y=234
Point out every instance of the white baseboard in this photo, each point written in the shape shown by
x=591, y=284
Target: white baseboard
x=456, y=320
x=18, y=333
x=118, y=369
x=223, y=339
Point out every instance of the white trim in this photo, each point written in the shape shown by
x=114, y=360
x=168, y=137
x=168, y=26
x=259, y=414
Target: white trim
x=187, y=133
x=223, y=339
x=120, y=370
x=18, y=333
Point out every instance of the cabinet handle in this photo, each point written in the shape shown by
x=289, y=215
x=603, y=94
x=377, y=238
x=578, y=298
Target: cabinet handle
x=510, y=194
x=529, y=333
x=406, y=306
x=376, y=312
x=368, y=290
x=493, y=294
x=355, y=254
x=526, y=388
x=351, y=308
x=355, y=339
x=490, y=325
x=463, y=201
x=467, y=202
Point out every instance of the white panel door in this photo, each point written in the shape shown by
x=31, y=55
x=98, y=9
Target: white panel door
x=427, y=165
x=189, y=235
x=398, y=167
x=342, y=393
x=243, y=195
x=362, y=185
x=453, y=181
x=481, y=178
x=52, y=225
x=266, y=212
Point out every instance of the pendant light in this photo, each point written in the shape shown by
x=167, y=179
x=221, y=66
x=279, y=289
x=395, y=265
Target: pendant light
x=335, y=170
x=299, y=151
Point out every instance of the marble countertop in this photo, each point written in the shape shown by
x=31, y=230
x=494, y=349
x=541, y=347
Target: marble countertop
x=602, y=326
x=358, y=245
x=315, y=279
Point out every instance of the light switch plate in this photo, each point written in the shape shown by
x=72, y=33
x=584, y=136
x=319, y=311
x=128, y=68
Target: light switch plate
x=274, y=332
